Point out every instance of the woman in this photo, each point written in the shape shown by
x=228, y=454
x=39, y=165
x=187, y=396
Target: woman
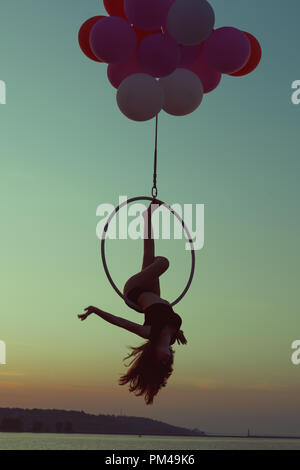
x=152, y=362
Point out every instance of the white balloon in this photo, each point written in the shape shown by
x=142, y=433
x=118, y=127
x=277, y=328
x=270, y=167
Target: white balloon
x=189, y=22
x=183, y=92
x=140, y=97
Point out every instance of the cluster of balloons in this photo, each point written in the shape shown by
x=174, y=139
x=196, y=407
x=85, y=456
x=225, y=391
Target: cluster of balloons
x=165, y=54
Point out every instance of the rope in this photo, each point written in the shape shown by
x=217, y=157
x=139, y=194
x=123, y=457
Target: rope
x=154, y=187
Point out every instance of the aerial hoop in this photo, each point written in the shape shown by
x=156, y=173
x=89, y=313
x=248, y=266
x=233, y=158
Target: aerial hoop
x=157, y=201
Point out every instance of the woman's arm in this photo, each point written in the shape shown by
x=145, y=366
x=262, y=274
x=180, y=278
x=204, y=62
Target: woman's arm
x=135, y=328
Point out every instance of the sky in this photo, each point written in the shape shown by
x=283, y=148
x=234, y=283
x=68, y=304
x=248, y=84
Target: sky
x=66, y=148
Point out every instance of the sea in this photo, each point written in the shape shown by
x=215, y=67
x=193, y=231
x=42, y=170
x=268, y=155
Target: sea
x=28, y=441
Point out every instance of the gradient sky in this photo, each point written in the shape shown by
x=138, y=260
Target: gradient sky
x=66, y=148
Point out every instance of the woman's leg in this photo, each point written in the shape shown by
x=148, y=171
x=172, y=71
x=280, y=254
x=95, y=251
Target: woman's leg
x=149, y=247
x=145, y=279
x=153, y=267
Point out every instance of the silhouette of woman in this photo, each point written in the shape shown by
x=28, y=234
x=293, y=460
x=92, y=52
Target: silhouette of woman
x=152, y=362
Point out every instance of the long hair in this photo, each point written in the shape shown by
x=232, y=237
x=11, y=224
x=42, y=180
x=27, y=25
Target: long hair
x=146, y=374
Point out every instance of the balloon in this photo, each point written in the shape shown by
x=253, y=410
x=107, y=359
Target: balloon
x=142, y=34
x=113, y=40
x=158, y=55
x=147, y=14
x=188, y=55
x=115, y=8
x=140, y=97
x=84, y=37
x=118, y=72
x=189, y=22
x=209, y=77
x=254, y=59
x=183, y=92
x=226, y=50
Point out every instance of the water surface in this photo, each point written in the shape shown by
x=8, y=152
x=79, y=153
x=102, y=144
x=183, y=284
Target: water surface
x=28, y=441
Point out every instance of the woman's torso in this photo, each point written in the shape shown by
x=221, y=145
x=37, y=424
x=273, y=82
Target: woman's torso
x=159, y=316
x=161, y=322
x=146, y=299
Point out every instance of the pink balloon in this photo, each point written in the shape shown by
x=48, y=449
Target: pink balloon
x=158, y=55
x=113, y=40
x=118, y=72
x=147, y=14
x=190, y=22
x=209, y=77
x=227, y=50
x=183, y=92
x=140, y=97
x=188, y=55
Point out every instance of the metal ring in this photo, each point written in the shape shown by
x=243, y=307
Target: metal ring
x=154, y=192
x=103, y=237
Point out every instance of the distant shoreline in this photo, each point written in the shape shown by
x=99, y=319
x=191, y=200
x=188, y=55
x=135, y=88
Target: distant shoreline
x=67, y=422
x=40, y=421
x=215, y=436
x=250, y=437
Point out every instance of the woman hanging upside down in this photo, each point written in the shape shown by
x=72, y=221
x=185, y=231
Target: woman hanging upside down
x=152, y=361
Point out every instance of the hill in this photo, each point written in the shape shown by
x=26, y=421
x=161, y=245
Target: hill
x=62, y=421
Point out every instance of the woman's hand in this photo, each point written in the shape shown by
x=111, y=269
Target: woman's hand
x=88, y=311
x=180, y=338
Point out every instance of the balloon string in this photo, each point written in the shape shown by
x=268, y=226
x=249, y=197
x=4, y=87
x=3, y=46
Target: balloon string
x=154, y=187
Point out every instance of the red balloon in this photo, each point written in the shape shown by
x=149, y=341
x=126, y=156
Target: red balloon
x=209, y=77
x=142, y=34
x=118, y=72
x=158, y=55
x=254, y=59
x=115, y=8
x=84, y=37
